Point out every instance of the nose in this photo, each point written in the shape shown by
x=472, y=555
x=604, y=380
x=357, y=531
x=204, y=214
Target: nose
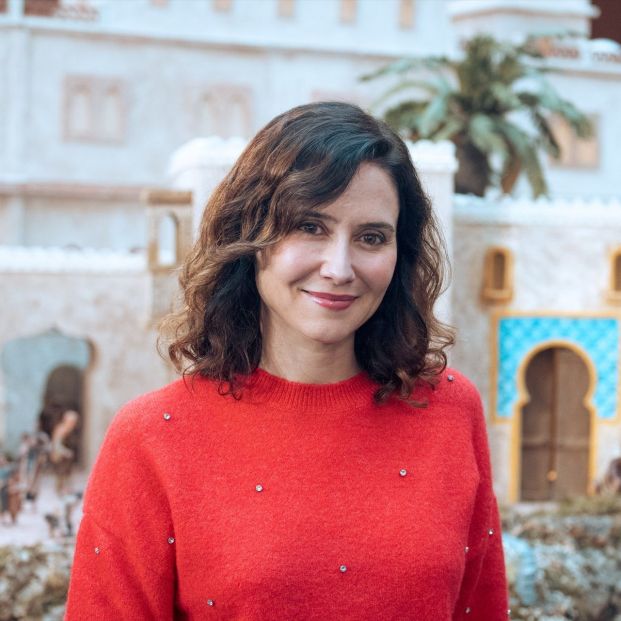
x=336, y=262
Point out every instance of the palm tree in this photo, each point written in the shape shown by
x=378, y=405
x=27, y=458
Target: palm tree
x=494, y=104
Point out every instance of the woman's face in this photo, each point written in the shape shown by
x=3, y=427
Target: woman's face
x=327, y=278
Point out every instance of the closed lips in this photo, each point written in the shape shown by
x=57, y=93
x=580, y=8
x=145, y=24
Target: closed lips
x=331, y=296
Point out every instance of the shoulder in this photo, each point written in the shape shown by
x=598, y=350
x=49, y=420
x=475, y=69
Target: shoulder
x=138, y=443
x=456, y=400
x=179, y=398
x=454, y=387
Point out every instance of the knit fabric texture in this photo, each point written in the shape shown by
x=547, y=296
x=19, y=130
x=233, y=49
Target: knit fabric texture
x=297, y=501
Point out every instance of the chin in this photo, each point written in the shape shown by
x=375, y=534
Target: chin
x=329, y=337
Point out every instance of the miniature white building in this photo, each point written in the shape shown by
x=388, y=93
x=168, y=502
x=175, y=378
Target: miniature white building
x=95, y=96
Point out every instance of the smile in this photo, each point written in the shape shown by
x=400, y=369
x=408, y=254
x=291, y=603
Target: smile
x=331, y=300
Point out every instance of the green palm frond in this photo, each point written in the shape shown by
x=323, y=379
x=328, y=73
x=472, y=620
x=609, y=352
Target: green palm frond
x=471, y=101
x=433, y=88
x=405, y=116
x=452, y=127
x=525, y=149
x=546, y=135
x=483, y=132
x=405, y=65
x=505, y=97
x=433, y=115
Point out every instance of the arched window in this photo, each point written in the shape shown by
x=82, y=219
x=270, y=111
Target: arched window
x=111, y=113
x=615, y=275
x=167, y=238
x=498, y=275
x=80, y=110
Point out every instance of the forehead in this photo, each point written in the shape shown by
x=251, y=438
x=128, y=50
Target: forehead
x=371, y=195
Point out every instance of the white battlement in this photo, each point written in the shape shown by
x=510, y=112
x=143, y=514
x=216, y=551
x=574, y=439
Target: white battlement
x=433, y=156
x=65, y=260
x=560, y=211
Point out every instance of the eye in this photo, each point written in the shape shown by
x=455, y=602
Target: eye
x=373, y=239
x=312, y=228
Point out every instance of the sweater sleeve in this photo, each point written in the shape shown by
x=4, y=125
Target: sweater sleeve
x=484, y=593
x=124, y=561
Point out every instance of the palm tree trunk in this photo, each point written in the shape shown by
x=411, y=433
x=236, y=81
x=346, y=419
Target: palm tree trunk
x=473, y=172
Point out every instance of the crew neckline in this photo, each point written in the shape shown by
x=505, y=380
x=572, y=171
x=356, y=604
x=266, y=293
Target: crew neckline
x=353, y=392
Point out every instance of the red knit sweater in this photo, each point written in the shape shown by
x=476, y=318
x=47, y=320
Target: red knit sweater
x=296, y=502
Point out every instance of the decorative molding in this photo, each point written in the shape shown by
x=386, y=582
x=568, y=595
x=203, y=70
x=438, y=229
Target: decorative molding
x=165, y=196
x=462, y=9
x=565, y=212
x=20, y=259
x=91, y=191
x=61, y=9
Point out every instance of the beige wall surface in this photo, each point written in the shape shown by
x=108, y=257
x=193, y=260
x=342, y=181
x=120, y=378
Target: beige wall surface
x=108, y=311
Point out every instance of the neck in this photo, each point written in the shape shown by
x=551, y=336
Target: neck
x=314, y=363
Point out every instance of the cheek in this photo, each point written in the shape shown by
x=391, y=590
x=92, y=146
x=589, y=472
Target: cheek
x=380, y=271
x=286, y=263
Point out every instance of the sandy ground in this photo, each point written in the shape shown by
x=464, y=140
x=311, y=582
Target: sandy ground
x=31, y=526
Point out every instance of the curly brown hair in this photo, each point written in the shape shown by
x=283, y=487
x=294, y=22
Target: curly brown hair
x=305, y=158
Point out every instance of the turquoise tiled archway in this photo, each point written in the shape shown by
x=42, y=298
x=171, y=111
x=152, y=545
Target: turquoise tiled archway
x=598, y=337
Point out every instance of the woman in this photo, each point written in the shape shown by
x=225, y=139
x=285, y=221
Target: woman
x=317, y=461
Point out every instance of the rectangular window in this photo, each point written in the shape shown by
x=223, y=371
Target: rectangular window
x=222, y=6
x=285, y=8
x=575, y=152
x=348, y=11
x=406, y=13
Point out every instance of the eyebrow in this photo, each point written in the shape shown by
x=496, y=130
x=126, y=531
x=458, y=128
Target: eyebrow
x=374, y=225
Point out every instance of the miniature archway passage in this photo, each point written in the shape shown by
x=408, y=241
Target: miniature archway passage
x=556, y=428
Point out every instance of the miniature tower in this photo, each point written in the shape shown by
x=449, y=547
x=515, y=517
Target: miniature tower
x=169, y=222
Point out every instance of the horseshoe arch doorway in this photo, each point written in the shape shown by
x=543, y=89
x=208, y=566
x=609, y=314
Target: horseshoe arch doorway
x=555, y=426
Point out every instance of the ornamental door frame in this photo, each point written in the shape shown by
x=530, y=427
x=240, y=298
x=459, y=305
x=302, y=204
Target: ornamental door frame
x=516, y=337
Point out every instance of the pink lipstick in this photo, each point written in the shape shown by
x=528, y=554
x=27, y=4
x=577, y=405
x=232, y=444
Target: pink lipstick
x=331, y=300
